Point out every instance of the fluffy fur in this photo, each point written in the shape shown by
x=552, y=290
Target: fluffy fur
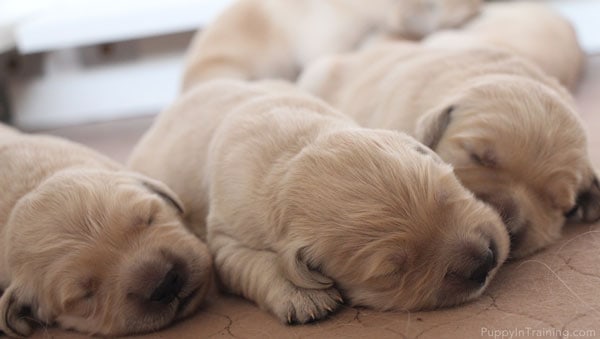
x=532, y=30
x=89, y=246
x=510, y=131
x=257, y=39
x=306, y=208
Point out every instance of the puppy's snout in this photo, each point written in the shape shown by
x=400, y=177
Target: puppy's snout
x=169, y=288
x=475, y=269
x=488, y=262
x=158, y=279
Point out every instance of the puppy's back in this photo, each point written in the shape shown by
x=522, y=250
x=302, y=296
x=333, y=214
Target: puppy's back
x=27, y=160
x=186, y=128
x=175, y=148
x=531, y=30
x=176, y=145
x=395, y=75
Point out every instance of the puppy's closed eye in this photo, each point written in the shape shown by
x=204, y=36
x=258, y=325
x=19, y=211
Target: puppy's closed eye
x=78, y=297
x=572, y=212
x=487, y=159
x=144, y=221
x=393, y=267
x=88, y=287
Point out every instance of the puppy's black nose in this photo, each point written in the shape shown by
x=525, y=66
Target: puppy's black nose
x=479, y=275
x=169, y=288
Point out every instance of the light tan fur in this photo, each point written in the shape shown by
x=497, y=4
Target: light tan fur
x=257, y=39
x=530, y=29
x=510, y=131
x=306, y=208
x=88, y=245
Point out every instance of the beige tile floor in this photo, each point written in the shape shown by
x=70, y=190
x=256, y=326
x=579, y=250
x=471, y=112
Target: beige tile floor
x=555, y=292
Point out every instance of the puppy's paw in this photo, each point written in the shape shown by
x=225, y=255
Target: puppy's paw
x=16, y=319
x=299, y=305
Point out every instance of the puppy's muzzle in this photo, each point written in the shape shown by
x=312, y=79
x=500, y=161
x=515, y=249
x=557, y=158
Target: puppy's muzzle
x=169, y=288
x=159, y=282
x=480, y=274
x=473, y=276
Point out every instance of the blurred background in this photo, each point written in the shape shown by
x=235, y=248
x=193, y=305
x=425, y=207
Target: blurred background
x=66, y=62
x=73, y=62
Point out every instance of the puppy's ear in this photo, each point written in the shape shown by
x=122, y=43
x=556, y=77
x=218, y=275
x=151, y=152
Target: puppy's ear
x=15, y=317
x=299, y=271
x=162, y=191
x=432, y=125
x=588, y=203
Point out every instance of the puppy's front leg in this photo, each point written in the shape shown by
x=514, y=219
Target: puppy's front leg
x=257, y=275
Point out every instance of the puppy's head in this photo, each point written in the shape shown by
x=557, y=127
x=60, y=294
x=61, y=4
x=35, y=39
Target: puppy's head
x=383, y=218
x=418, y=18
x=101, y=252
x=521, y=148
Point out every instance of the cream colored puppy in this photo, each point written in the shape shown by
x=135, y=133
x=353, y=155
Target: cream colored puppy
x=257, y=39
x=304, y=207
x=532, y=30
x=88, y=246
x=511, y=132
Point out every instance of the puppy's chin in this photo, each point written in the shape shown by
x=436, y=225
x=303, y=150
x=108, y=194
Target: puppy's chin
x=449, y=297
x=188, y=304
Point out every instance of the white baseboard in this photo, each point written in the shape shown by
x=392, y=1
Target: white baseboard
x=91, y=95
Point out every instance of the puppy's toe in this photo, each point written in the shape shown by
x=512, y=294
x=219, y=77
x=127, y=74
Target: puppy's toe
x=306, y=305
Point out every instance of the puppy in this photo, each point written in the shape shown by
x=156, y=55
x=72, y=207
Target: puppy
x=510, y=131
x=305, y=207
x=257, y=39
x=89, y=246
x=531, y=30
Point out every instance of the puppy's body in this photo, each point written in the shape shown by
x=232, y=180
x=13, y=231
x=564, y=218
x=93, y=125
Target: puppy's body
x=88, y=245
x=303, y=205
x=257, y=39
x=509, y=130
x=21, y=176
x=531, y=30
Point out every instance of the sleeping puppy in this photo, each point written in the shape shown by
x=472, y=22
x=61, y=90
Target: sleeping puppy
x=257, y=39
x=532, y=30
x=510, y=131
x=88, y=246
x=305, y=207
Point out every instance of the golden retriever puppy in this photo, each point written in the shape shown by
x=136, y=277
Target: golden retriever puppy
x=510, y=131
x=532, y=30
x=257, y=39
x=306, y=208
x=89, y=246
